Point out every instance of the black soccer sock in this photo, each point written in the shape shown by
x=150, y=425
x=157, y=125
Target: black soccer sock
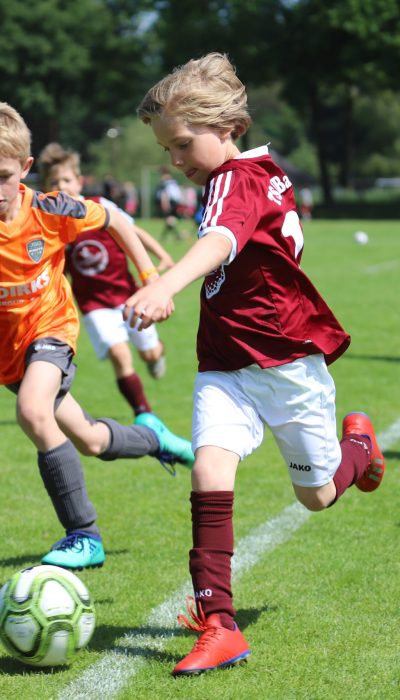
x=62, y=475
x=129, y=441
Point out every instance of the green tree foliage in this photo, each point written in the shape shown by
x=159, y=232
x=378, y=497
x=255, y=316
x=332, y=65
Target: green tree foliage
x=324, y=55
x=70, y=68
x=76, y=68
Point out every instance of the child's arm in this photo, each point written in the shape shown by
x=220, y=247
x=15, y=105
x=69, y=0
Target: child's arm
x=125, y=235
x=152, y=303
x=153, y=246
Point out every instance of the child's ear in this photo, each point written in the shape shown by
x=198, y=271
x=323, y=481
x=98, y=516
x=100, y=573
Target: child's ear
x=226, y=135
x=26, y=168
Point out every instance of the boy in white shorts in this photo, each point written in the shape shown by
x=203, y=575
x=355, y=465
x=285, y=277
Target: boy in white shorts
x=101, y=282
x=264, y=341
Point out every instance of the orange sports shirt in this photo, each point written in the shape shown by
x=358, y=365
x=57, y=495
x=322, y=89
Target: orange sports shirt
x=35, y=296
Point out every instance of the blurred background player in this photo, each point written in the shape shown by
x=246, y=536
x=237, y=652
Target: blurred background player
x=101, y=282
x=39, y=326
x=169, y=201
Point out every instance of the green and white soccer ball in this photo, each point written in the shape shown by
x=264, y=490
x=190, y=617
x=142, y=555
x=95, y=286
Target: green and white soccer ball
x=46, y=616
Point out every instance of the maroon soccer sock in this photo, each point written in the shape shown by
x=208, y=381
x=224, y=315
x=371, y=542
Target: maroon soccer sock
x=356, y=455
x=210, y=558
x=132, y=389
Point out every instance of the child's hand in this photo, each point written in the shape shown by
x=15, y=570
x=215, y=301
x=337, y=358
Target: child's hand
x=165, y=263
x=149, y=304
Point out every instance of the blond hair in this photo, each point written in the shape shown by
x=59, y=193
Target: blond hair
x=54, y=155
x=15, y=137
x=202, y=92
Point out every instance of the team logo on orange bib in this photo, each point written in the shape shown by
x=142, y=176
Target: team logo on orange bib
x=35, y=249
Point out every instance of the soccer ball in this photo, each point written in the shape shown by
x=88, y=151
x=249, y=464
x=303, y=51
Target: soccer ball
x=361, y=237
x=46, y=616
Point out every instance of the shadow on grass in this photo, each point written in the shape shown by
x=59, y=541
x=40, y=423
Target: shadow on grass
x=26, y=560
x=11, y=667
x=148, y=641
x=145, y=642
x=391, y=454
x=373, y=358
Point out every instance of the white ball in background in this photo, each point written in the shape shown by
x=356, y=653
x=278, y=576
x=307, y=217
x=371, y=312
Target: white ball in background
x=361, y=237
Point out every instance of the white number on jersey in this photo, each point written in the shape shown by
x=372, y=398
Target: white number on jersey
x=292, y=227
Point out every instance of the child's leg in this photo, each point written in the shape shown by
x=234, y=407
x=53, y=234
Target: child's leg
x=128, y=381
x=221, y=643
x=109, y=440
x=59, y=466
x=109, y=336
x=225, y=429
x=58, y=460
x=303, y=420
x=151, y=349
x=212, y=527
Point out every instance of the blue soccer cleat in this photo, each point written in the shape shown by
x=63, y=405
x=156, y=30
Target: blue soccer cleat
x=78, y=550
x=172, y=447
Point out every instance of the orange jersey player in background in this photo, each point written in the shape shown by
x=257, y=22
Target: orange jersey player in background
x=38, y=332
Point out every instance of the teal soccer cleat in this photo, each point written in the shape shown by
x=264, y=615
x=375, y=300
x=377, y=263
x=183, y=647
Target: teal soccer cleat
x=78, y=550
x=172, y=447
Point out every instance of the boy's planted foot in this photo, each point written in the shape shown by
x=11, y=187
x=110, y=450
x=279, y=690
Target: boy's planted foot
x=360, y=424
x=172, y=447
x=217, y=647
x=78, y=550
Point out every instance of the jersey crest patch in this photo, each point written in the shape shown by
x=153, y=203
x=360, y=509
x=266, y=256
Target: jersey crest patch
x=214, y=281
x=35, y=249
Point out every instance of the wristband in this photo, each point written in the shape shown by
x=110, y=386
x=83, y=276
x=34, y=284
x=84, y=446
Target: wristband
x=145, y=274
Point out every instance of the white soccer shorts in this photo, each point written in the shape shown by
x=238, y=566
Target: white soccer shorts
x=296, y=401
x=106, y=327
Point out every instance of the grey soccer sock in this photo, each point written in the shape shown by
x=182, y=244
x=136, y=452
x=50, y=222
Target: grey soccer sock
x=62, y=474
x=128, y=441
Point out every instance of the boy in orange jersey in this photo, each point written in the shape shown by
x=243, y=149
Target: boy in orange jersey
x=38, y=332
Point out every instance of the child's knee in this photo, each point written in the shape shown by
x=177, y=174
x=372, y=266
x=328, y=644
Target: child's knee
x=31, y=416
x=315, y=498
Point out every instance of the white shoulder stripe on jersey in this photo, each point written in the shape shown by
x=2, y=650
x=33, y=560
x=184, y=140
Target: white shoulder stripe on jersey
x=214, y=204
x=220, y=202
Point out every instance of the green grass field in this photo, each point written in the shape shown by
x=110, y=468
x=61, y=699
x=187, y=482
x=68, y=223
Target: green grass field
x=321, y=609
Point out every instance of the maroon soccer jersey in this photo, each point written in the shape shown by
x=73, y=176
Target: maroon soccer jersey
x=259, y=307
x=99, y=272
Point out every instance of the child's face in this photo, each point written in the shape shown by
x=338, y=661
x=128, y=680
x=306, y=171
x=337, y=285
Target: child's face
x=63, y=177
x=194, y=150
x=11, y=173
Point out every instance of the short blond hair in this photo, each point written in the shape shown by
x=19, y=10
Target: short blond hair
x=202, y=92
x=15, y=137
x=54, y=155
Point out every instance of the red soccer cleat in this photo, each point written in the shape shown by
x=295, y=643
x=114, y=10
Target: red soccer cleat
x=360, y=424
x=217, y=647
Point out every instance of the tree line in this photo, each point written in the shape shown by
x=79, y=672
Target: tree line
x=322, y=77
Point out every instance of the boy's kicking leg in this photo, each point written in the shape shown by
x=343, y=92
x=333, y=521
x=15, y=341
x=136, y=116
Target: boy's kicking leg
x=108, y=440
x=362, y=464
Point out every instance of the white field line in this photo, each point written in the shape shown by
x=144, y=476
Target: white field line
x=390, y=436
x=106, y=677
x=382, y=267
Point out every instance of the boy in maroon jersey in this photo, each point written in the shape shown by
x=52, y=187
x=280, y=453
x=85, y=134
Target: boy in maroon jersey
x=264, y=341
x=101, y=282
